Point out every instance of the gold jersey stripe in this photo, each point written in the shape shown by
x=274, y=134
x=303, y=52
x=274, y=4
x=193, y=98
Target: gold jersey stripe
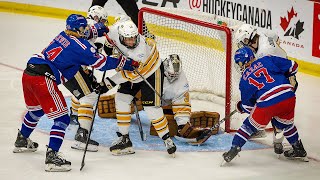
x=147, y=67
x=181, y=109
x=123, y=124
x=82, y=83
x=184, y=104
x=163, y=129
x=123, y=118
x=123, y=113
x=157, y=120
x=158, y=87
x=85, y=118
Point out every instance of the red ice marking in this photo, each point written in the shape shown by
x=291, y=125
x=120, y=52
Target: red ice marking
x=12, y=67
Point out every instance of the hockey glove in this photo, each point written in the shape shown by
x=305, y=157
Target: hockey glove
x=293, y=82
x=239, y=107
x=127, y=63
x=96, y=30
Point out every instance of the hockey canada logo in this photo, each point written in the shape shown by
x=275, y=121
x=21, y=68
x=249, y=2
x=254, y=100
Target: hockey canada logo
x=291, y=25
x=195, y=4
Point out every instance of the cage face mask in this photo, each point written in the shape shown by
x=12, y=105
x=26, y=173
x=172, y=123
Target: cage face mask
x=172, y=67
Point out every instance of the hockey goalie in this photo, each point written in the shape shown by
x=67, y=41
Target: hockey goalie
x=176, y=93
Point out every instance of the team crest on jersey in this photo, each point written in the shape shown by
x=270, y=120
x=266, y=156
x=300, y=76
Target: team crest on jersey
x=92, y=49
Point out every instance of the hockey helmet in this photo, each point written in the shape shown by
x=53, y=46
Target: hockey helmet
x=172, y=67
x=243, y=56
x=245, y=34
x=98, y=14
x=128, y=34
x=76, y=23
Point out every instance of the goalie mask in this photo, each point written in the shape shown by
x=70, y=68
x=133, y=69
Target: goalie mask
x=172, y=67
x=128, y=34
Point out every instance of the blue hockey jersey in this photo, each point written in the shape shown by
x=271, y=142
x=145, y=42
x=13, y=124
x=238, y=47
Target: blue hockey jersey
x=265, y=82
x=65, y=54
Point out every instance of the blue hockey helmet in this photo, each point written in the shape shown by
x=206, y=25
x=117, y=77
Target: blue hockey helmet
x=243, y=56
x=76, y=22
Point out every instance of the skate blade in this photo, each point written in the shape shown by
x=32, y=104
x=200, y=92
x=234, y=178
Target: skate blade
x=126, y=151
x=303, y=159
x=24, y=150
x=81, y=146
x=223, y=162
x=55, y=168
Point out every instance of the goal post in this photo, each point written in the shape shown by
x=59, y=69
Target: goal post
x=205, y=48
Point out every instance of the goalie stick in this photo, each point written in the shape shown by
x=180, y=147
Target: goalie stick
x=90, y=130
x=201, y=139
x=142, y=134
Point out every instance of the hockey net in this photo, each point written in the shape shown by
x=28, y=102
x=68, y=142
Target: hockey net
x=206, y=51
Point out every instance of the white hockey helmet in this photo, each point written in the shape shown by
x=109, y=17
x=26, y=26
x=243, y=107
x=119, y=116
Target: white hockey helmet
x=245, y=34
x=172, y=67
x=98, y=14
x=128, y=34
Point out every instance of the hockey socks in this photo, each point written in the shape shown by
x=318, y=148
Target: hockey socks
x=243, y=134
x=30, y=121
x=58, y=131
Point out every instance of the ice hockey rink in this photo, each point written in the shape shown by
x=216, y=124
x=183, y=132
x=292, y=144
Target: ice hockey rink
x=23, y=35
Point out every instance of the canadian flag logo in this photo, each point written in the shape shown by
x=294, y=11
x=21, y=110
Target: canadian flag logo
x=291, y=25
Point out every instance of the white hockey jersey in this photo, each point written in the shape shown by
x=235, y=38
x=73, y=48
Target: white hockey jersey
x=268, y=46
x=145, y=53
x=177, y=89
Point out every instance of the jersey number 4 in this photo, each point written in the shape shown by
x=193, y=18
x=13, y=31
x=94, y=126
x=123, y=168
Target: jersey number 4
x=258, y=73
x=53, y=53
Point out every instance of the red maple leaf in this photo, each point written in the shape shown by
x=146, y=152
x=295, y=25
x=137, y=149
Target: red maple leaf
x=284, y=22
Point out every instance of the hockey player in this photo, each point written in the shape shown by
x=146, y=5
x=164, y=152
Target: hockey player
x=124, y=35
x=264, y=85
x=56, y=64
x=263, y=44
x=130, y=7
x=176, y=93
x=82, y=108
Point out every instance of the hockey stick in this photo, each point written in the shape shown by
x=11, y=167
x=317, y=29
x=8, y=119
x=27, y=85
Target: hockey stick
x=90, y=130
x=142, y=134
x=208, y=132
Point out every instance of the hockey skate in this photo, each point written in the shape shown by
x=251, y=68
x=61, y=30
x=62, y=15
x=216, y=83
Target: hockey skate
x=122, y=146
x=231, y=154
x=277, y=141
x=192, y=135
x=23, y=144
x=81, y=140
x=297, y=152
x=55, y=162
x=171, y=147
